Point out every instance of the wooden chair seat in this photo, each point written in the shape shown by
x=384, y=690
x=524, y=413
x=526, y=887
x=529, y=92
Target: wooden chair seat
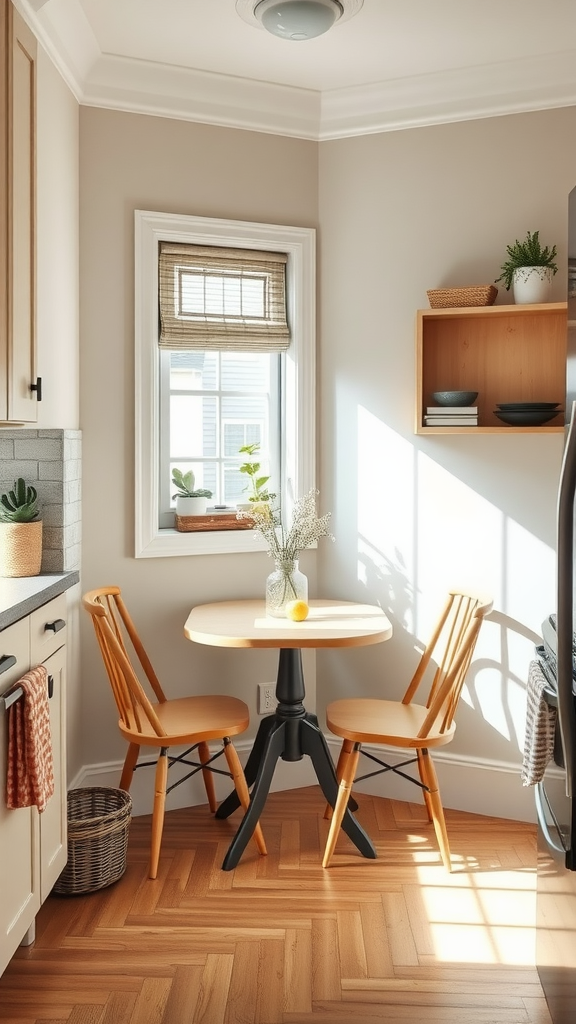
x=192, y=721
x=406, y=724
x=384, y=721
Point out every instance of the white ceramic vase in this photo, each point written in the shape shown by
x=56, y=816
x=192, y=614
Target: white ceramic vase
x=191, y=506
x=532, y=284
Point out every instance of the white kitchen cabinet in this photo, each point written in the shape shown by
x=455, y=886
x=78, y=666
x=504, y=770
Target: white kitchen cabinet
x=33, y=846
x=19, y=385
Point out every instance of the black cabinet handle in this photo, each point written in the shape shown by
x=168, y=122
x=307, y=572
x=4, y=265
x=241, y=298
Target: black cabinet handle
x=55, y=626
x=6, y=662
x=37, y=387
x=50, y=687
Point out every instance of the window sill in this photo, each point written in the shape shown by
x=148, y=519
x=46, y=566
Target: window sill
x=170, y=543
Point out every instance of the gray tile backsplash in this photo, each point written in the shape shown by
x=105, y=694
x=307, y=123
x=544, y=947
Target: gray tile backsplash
x=52, y=461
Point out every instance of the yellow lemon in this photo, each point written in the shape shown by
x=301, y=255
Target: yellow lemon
x=297, y=611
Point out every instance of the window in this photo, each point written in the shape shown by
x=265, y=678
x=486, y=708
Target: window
x=196, y=406
x=211, y=403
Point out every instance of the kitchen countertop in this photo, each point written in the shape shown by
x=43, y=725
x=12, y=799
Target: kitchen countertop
x=22, y=595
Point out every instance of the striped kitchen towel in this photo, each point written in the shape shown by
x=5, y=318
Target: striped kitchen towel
x=30, y=769
x=540, y=727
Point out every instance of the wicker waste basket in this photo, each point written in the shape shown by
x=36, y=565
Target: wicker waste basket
x=98, y=824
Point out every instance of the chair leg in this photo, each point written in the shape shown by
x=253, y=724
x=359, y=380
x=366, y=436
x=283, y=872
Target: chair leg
x=344, y=790
x=204, y=754
x=160, y=781
x=345, y=750
x=241, y=787
x=423, y=779
x=129, y=765
x=436, y=809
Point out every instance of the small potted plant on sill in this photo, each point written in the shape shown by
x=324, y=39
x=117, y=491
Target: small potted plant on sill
x=20, y=531
x=260, y=495
x=529, y=270
x=190, y=501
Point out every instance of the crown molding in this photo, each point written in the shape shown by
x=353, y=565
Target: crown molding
x=190, y=95
x=139, y=86
x=464, y=94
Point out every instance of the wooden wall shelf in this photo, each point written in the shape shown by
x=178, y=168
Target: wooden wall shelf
x=505, y=353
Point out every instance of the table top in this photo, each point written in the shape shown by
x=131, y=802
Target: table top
x=329, y=624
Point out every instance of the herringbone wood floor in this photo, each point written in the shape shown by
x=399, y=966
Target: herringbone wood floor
x=280, y=941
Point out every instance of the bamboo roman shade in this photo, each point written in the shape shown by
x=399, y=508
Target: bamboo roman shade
x=225, y=298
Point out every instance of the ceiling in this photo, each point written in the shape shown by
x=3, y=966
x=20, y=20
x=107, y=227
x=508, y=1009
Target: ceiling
x=394, y=64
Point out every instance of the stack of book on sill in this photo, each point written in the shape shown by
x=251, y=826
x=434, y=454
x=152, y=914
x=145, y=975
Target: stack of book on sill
x=451, y=416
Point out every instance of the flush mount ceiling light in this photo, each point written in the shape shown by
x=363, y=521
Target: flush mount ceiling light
x=297, y=19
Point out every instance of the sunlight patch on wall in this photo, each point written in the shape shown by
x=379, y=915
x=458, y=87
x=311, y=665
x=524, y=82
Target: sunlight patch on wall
x=385, y=510
x=459, y=534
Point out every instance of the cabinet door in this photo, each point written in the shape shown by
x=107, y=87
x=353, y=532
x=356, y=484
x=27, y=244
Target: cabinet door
x=48, y=631
x=19, y=833
x=53, y=820
x=18, y=219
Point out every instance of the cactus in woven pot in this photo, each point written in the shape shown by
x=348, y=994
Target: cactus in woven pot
x=20, y=531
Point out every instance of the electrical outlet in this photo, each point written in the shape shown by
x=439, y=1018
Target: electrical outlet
x=266, y=698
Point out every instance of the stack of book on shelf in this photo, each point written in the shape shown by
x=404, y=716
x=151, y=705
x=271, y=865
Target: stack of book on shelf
x=451, y=416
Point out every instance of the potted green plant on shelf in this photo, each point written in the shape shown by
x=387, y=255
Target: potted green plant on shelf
x=190, y=500
x=20, y=531
x=256, y=482
x=529, y=269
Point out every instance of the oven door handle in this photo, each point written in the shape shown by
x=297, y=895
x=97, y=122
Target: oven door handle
x=541, y=798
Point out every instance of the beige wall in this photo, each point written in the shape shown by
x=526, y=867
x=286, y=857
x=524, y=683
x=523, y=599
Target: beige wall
x=400, y=213
x=133, y=162
x=397, y=213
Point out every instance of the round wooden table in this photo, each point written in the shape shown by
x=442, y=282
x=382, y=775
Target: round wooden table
x=291, y=731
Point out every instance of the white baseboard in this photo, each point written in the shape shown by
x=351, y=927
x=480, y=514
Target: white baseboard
x=481, y=787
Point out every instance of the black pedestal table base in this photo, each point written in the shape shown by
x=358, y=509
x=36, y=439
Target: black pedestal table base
x=288, y=734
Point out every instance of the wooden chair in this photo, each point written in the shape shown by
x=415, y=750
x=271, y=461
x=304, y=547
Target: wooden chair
x=163, y=723
x=409, y=725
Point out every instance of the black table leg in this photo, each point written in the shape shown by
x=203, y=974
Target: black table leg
x=232, y=803
x=287, y=734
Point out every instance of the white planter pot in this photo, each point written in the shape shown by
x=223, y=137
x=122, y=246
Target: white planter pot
x=191, y=506
x=532, y=284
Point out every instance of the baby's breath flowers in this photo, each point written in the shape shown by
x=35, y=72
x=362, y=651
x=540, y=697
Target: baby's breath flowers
x=284, y=545
x=287, y=583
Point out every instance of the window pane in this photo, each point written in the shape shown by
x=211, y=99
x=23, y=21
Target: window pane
x=246, y=371
x=191, y=293
x=193, y=371
x=235, y=486
x=193, y=421
x=218, y=295
x=217, y=402
x=254, y=296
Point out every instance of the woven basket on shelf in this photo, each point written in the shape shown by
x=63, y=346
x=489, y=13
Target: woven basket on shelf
x=98, y=824
x=473, y=295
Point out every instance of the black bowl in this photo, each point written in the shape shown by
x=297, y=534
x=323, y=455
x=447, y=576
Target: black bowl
x=526, y=417
x=452, y=398
x=523, y=406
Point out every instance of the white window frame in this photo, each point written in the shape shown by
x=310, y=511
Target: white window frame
x=298, y=372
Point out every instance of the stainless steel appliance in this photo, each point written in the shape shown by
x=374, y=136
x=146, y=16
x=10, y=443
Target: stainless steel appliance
x=556, y=793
